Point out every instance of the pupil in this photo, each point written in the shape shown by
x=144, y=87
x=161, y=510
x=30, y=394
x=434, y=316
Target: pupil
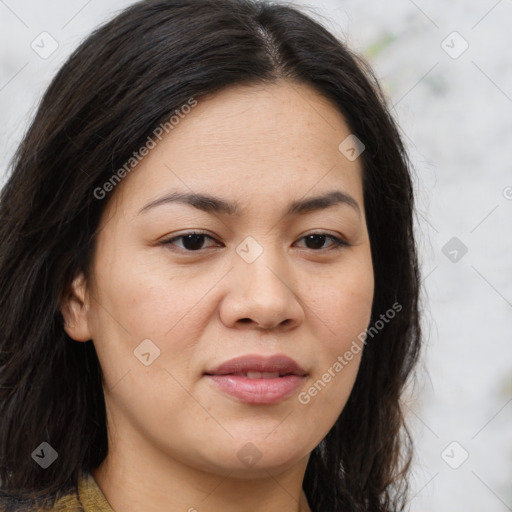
x=319, y=238
x=193, y=242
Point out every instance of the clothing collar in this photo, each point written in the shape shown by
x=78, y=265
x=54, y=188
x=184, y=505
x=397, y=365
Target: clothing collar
x=91, y=496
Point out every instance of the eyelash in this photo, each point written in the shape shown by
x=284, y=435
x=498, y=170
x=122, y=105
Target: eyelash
x=338, y=243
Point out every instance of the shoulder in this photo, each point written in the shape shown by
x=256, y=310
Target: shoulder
x=66, y=503
x=62, y=502
x=88, y=497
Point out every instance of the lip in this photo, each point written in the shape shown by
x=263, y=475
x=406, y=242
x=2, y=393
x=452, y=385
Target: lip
x=257, y=363
x=258, y=390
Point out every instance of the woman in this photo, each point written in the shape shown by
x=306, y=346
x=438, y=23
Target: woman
x=208, y=272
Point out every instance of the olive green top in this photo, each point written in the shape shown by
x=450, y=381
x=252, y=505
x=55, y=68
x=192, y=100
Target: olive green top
x=89, y=498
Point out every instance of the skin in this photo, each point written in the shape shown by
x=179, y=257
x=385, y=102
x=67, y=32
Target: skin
x=173, y=436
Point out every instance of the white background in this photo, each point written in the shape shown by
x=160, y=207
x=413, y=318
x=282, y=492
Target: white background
x=456, y=115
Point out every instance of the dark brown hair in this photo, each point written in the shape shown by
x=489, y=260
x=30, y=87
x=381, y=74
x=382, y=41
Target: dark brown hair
x=123, y=81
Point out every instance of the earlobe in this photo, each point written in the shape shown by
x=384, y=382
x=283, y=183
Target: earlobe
x=75, y=310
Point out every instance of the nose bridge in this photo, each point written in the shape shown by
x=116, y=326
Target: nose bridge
x=262, y=290
x=261, y=263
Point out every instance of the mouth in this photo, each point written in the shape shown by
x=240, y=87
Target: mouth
x=259, y=375
x=256, y=379
x=256, y=366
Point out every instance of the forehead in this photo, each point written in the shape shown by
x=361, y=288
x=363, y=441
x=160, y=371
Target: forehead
x=248, y=142
x=283, y=115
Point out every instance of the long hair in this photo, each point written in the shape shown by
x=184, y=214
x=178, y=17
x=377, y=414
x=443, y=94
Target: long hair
x=122, y=82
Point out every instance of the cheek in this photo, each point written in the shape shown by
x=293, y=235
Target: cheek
x=151, y=299
x=341, y=314
x=144, y=332
x=328, y=389
x=138, y=301
x=342, y=302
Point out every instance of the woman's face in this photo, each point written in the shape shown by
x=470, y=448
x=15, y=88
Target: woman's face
x=164, y=312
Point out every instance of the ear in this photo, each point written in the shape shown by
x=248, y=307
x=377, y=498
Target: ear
x=75, y=310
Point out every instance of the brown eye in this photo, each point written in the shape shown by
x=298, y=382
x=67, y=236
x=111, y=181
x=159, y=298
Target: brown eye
x=191, y=242
x=316, y=241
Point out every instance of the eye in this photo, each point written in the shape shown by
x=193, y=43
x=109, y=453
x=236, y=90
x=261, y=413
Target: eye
x=317, y=240
x=194, y=241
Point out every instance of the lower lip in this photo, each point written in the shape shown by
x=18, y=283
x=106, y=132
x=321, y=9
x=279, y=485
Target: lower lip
x=257, y=391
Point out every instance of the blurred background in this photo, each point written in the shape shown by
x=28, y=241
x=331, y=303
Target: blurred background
x=446, y=68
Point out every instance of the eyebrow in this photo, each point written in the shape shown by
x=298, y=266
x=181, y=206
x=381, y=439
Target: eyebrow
x=212, y=204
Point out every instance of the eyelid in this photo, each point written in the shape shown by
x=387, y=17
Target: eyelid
x=338, y=242
x=168, y=241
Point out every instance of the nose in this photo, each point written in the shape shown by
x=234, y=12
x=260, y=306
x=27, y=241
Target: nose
x=262, y=295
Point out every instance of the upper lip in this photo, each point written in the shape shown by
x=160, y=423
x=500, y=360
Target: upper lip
x=258, y=363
